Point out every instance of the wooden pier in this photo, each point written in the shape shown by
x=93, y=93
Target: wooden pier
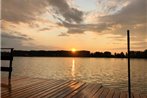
x=24, y=87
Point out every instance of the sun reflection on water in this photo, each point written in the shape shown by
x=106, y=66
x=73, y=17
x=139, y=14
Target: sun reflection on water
x=73, y=69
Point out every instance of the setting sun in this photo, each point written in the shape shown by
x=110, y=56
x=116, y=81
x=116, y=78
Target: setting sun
x=73, y=50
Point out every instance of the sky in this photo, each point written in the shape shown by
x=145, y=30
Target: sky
x=94, y=25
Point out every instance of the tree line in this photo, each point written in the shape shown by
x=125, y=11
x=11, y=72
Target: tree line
x=83, y=53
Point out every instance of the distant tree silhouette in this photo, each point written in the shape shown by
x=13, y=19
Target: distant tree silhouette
x=107, y=54
x=119, y=55
x=145, y=53
x=60, y=53
x=98, y=54
x=82, y=53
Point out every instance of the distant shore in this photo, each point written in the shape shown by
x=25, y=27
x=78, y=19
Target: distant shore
x=82, y=53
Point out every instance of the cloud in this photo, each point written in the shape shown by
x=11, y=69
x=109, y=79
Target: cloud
x=14, y=39
x=132, y=16
x=45, y=29
x=110, y=6
x=18, y=44
x=81, y=28
x=17, y=11
x=70, y=14
x=21, y=42
x=133, y=13
x=15, y=35
x=63, y=34
x=22, y=10
x=111, y=17
x=126, y=17
x=14, y=43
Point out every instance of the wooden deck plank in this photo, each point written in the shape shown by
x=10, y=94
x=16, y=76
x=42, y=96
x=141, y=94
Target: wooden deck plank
x=116, y=94
x=99, y=92
x=94, y=90
x=21, y=90
x=123, y=94
x=105, y=92
x=48, y=89
x=76, y=91
x=85, y=91
x=23, y=84
x=128, y=95
x=43, y=89
x=38, y=89
x=25, y=87
x=55, y=89
x=111, y=93
x=12, y=90
x=18, y=84
x=143, y=96
x=60, y=90
x=67, y=90
x=136, y=95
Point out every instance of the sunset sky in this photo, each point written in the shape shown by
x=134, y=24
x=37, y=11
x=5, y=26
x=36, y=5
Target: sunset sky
x=94, y=25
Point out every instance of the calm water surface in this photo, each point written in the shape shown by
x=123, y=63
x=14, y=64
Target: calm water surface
x=111, y=72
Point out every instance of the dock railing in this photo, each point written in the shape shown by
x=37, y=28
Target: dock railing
x=7, y=54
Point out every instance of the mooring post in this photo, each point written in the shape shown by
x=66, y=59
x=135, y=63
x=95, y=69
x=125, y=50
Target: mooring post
x=129, y=75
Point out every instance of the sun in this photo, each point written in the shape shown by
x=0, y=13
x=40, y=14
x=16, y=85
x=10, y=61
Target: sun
x=73, y=50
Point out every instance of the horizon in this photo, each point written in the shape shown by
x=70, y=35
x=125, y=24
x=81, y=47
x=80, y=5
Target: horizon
x=65, y=24
x=83, y=50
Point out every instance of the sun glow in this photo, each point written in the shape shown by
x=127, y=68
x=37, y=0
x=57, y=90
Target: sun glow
x=73, y=50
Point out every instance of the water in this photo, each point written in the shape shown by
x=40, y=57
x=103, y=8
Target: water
x=111, y=72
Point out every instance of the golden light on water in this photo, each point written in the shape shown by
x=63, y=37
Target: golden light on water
x=73, y=69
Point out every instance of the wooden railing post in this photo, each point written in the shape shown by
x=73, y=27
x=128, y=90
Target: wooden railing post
x=11, y=64
x=129, y=75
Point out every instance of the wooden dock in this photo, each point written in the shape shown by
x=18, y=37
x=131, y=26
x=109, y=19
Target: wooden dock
x=24, y=87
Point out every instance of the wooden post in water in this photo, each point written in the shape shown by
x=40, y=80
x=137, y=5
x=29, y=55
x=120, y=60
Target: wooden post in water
x=129, y=76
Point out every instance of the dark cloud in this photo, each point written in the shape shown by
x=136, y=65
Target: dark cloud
x=61, y=7
x=17, y=41
x=127, y=17
x=22, y=10
x=16, y=36
x=17, y=44
x=63, y=34
x=7, y=42
x=14, y=39
x=81, y=28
